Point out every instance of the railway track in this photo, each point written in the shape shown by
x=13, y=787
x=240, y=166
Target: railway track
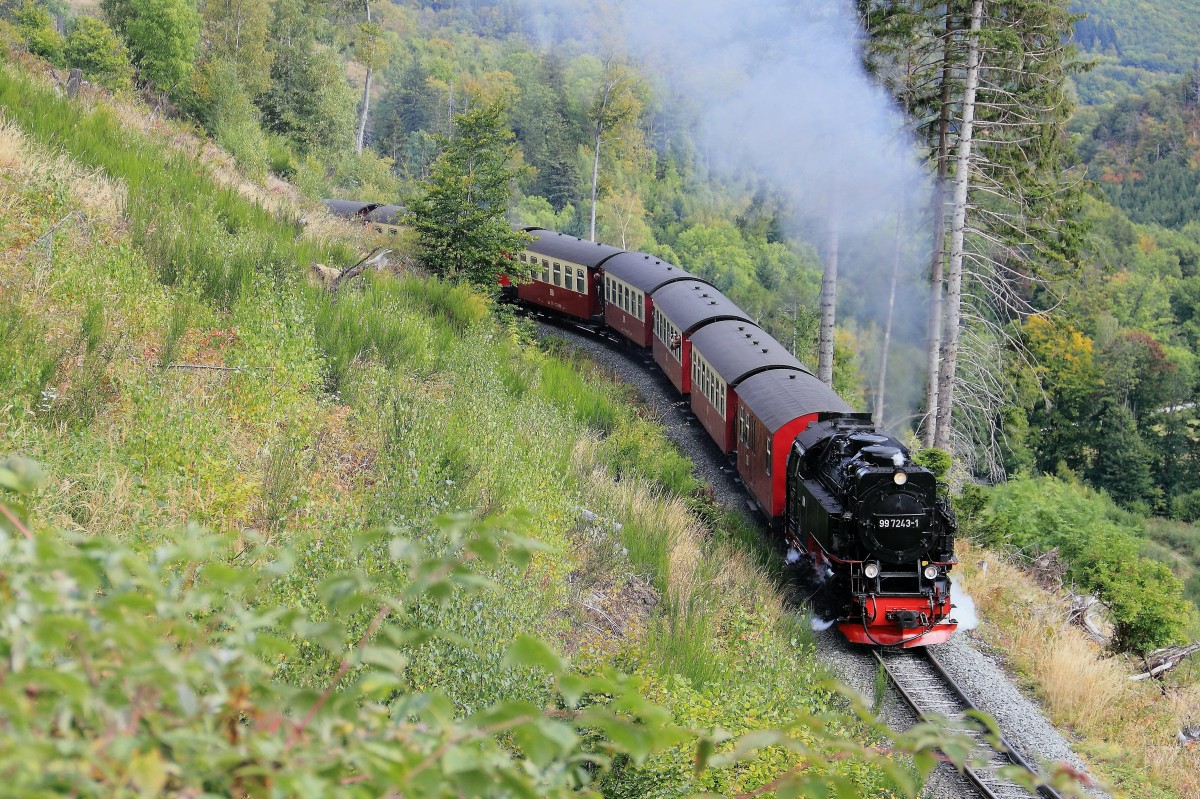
x=930, y=691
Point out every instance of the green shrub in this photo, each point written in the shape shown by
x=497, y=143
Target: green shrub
x=1100, y=544
x=39, y=32
x=935, y=460
x=27, y=360
x=1186, y=507
x=93, y=47
x=280, y=158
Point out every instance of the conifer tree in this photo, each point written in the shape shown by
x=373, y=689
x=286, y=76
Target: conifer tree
x=460, y=219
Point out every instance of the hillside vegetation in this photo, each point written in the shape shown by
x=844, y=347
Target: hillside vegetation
x=1134, y=45
x=218, y=439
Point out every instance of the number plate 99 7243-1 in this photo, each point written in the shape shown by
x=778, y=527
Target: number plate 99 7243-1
x=913, y=522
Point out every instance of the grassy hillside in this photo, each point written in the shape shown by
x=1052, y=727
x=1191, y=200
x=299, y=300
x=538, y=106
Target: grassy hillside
x=167, y=363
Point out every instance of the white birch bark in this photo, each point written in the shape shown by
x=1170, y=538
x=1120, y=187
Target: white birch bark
x=933, y=326
x=361, y=135
x=828, y=306
x=953, y=309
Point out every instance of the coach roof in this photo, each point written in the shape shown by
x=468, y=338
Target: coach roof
x=569, y=248
x=737, y=349
x=389, y=214
x=778, y=396
x=644, y=272
x=349, y=208
x=692, y=303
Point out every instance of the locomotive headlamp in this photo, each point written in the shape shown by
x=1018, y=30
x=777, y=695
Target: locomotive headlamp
x=930, y=572
x=899, y=478
x=871, y=570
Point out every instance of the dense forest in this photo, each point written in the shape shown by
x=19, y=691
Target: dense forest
x=1132, y=46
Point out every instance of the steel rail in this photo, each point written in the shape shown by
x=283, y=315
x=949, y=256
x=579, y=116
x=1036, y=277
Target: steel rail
x=983, y=777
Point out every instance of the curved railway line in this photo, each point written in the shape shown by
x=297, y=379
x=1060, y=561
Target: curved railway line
x=931, y=692
x=656, y=391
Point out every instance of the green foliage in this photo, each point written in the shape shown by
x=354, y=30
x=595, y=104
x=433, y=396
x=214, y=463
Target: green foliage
x=308, y=100
x=460, y=218
x=94, y=48
x=162, y=36
x=1141, y=149
x=1100, y=545
x=1134, y=45
x=27, y=361
x=236, y=31
x=36, y=27
x=107, y=633
x=935, y=460
x=225, y=108
x=1186, y=507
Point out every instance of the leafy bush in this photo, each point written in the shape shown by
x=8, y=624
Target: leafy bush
x=1100, y=543
x=935, y=460
x=1186, y=507
x=40, y=35
x=181, y=642
x=94, y=48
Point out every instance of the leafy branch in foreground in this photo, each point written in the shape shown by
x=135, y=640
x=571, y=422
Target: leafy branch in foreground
x=131, y=674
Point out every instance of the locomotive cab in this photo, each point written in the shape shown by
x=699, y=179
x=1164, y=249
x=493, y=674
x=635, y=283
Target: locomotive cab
x=872, y=519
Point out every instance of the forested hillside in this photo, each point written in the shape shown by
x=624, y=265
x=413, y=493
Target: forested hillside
x=1134, y=45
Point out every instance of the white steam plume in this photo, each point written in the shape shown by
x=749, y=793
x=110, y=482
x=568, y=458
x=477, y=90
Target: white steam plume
x=781, y=95
x=964, y=606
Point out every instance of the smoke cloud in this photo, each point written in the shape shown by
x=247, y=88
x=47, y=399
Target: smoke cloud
x=964, y=606
x=781, y=95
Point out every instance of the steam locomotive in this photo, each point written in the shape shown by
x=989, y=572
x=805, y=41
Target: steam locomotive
x=845, y=499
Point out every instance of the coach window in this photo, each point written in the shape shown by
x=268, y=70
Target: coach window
x=770, y=442
x=581, y=280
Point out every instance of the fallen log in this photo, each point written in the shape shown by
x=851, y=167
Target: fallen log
x=1079, y=614
x=1160, y=661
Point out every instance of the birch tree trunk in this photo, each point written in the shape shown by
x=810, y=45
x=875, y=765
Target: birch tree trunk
x=361, y=135
x=937, y=256
x=828, y=305
x=881, y=394
x=596, y=173
x=962, y=175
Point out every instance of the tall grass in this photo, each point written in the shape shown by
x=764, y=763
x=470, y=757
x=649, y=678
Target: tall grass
x=562, y=385
x=377, y=321
x=1124, y=724
x=194, y=231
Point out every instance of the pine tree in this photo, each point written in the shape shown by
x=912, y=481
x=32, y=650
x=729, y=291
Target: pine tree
x=460, y=219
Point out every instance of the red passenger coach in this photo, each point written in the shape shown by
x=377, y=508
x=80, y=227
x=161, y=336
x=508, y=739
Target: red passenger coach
x=723, y=355
x=773, y=408
x=630, y=280
x=680, y=309
x=566, y=273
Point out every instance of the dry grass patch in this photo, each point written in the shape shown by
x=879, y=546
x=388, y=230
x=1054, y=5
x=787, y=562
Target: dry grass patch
x=1083, y=687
